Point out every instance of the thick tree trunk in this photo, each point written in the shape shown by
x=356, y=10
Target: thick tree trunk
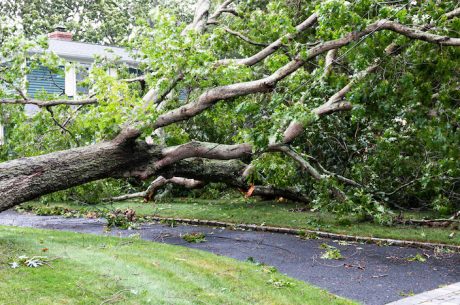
x=28, y=178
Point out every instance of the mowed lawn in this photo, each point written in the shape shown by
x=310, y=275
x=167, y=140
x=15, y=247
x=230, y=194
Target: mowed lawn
x=90, y=269
x=273, y=213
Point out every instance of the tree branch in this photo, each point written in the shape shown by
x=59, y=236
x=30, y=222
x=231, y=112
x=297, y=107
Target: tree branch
x=202, y=150
x=334, y=104
x=244, y=38
x=212, y=96
x=330, y=58
x=18, y=90
x=223, y=8
x=271, y=48
x=201, y=17
x=453, y=14
x=153, y=96
x=134, y=79
x=62, y=126
x=338, y=194
x=40, y=103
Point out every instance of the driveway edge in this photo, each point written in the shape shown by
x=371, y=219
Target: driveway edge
x=373, y=240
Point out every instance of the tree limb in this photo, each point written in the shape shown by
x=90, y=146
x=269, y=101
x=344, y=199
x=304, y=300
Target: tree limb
x=334, y=104
x=271, y=48
x=62, y=126
x=212, y=96
x=153, y=96
x=452, y=14
x=244, y=38
x=223, y=8
x=338, y=194
x=330, y=58
x=207, y=150
x=40, y=103
x=200, y=18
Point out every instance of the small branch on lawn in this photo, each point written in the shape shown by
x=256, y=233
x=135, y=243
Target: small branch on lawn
x=444, y=222
x=159, y=182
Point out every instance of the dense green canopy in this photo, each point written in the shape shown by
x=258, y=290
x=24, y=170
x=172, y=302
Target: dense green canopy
x=370, y=90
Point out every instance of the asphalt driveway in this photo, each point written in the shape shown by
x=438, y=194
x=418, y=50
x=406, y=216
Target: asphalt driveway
x=369, y=273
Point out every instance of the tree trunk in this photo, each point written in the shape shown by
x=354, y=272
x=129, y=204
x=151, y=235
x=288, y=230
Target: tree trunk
x=25, y=179
x=28, y=178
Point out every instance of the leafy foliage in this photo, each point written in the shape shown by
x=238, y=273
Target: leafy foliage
x=196, y=237
x=331, y=252
x=400, y=142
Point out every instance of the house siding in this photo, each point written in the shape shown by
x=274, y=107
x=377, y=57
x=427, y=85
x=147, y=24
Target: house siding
x=42, y=79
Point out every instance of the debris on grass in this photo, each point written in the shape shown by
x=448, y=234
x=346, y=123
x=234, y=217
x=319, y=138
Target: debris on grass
x=123, y=219
x=280, y=283
x=14, y=265
x=443, y=250
x=269, y=269
x=307, y=235
x=252, y=260
x=32, y=262
x=195, y=237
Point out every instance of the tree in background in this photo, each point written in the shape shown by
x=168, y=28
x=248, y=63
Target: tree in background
x=101, y=21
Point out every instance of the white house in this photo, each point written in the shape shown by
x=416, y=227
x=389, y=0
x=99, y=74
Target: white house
x=73, y=52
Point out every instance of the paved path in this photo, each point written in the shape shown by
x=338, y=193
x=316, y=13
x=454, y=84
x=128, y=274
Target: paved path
x=370, y=274
x=447, y=295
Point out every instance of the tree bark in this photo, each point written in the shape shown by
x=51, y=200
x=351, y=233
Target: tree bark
x=28, y=178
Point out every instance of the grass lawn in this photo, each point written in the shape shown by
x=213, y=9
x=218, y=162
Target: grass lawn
x=278, y=214
x=92, y=269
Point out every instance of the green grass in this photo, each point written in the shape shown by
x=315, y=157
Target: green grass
x=94, y=269
x=279, y=214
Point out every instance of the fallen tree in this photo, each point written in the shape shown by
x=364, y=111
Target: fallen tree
x=127, y=155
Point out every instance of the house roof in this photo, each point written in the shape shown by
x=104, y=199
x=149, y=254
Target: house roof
x=85, y=52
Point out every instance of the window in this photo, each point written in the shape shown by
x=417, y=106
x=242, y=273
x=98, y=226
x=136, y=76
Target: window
x=82, y=74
